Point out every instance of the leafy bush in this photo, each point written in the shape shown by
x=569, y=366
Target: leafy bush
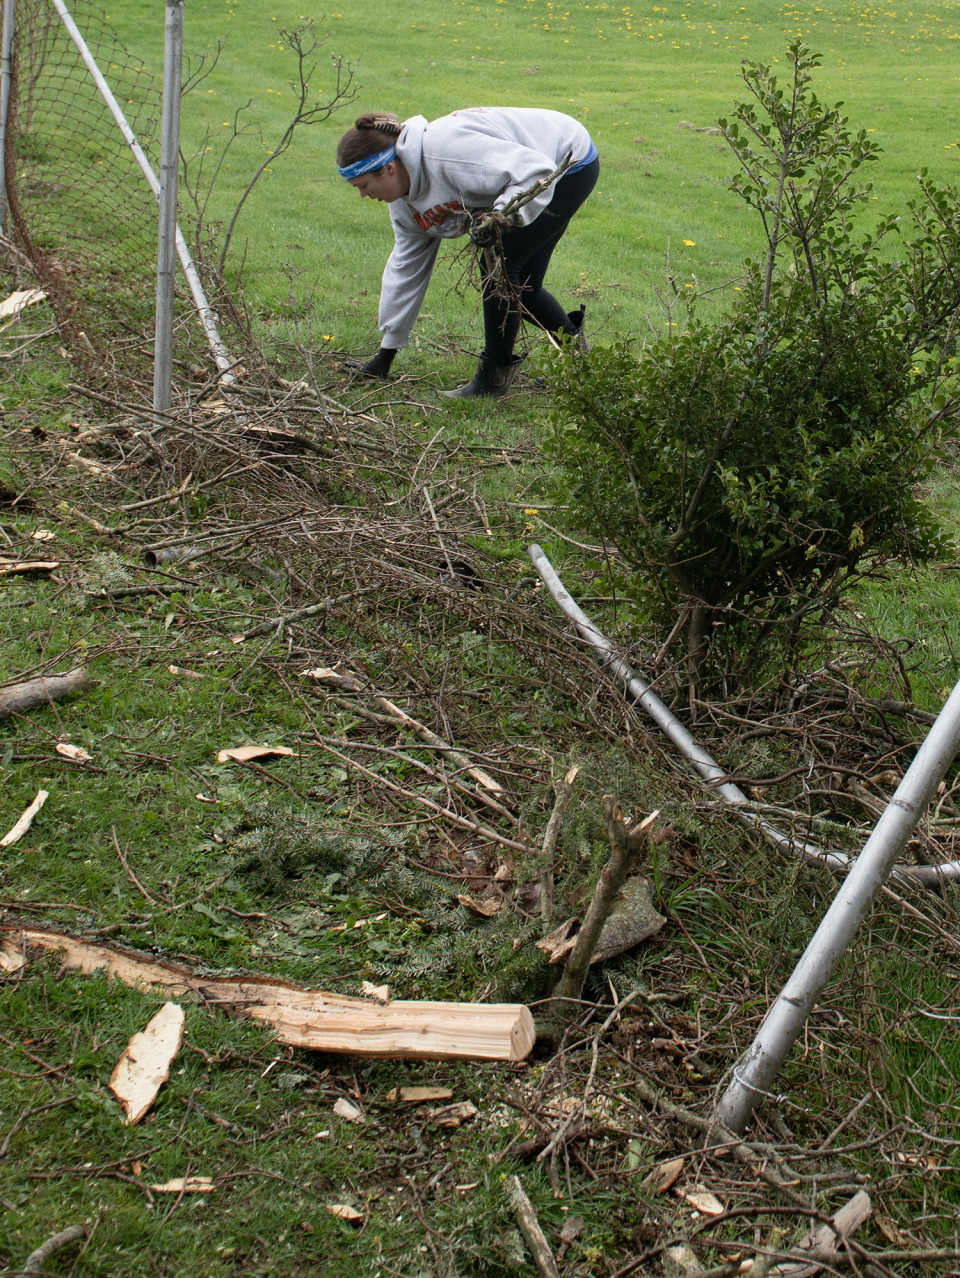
x=749, y=468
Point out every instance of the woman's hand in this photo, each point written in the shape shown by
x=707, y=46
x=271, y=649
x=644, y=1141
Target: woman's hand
x=486, y=226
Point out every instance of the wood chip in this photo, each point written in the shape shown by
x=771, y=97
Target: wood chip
x=242, y=754
x=43, y=534
x=417, y=1095
x=189, y=674
x=344, y=1212
x=485, y=909
x=11, y=960
x=188, y=1185
x=379, y=992
x=344, y=1109
x=333, y=678
x=453, y=1115
x=144, y=1065
x=77, y=753
x=25, y=822
x=662, y=1177
x=19, y=301
x=707, y=1204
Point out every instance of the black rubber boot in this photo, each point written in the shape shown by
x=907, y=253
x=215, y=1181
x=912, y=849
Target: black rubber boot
x=578, y=319
x=490, y=380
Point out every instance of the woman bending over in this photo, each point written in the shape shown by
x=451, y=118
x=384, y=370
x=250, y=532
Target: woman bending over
x=446, y=177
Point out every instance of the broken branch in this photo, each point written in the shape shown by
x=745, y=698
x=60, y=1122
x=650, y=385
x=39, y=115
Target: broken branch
x=532, y=1233
x=550, y=834
x=626, y=847
x=19, y=697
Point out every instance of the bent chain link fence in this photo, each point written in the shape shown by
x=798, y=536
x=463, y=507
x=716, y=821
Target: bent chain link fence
x=78, y=203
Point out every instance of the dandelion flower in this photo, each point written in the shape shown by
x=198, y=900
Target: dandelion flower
x=690, y=243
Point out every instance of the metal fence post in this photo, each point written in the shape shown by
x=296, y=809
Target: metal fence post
x=6, y=73
x=169, y=172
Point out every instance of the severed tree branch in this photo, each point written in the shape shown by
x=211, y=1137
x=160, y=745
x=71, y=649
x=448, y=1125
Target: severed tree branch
x=626, y=847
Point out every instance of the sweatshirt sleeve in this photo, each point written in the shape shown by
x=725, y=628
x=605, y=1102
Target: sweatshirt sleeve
x=405, y=279
x=513, y=169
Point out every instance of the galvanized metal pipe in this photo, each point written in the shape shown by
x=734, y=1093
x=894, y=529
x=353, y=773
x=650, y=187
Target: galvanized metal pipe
x=167, y=230
x=784, y=1021
x=221, y=355
x=6, y=77
x=705, y=764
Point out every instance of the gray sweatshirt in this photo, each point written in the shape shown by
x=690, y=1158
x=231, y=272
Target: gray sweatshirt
x=478, y=158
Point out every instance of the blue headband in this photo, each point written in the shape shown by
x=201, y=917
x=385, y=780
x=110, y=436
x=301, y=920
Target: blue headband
x=371, y=162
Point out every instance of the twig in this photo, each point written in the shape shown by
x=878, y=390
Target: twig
x=550, y=834
x=130, y=874
x=28, y=1113
x=267, y=627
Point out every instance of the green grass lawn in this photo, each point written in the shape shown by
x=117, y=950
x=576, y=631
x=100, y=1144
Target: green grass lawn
x=634, y=75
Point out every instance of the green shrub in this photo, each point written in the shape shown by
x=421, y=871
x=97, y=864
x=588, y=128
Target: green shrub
x=749, y=468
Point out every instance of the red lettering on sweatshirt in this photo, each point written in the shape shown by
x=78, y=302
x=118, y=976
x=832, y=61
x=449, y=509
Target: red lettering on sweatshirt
x=438, y=214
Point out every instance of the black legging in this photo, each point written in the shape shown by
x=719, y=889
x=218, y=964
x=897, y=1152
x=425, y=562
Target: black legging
x=527, y=252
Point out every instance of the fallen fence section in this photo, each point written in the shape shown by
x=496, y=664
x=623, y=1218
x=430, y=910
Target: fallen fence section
x=639, y=692
x=839, y=925
x=302, y=1017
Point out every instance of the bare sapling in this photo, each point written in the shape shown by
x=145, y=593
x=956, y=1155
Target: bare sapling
x=626, y=849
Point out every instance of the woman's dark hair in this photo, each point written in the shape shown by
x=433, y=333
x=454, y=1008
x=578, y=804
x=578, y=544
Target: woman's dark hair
x=373, y=132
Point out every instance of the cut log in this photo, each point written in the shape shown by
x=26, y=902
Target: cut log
x=16, y=698
x=302, y=1017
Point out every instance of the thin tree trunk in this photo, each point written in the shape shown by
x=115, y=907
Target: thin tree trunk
x=626, y=847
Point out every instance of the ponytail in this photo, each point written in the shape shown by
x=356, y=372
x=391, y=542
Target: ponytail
x=372, y=133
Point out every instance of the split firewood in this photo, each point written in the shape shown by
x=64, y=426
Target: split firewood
x=144, y=1065
x=402, y=1029
x=74, y=752
x=26, y=820
x=17, y=698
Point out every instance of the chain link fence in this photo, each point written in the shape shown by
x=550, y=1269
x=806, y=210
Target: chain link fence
x=79, y=206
